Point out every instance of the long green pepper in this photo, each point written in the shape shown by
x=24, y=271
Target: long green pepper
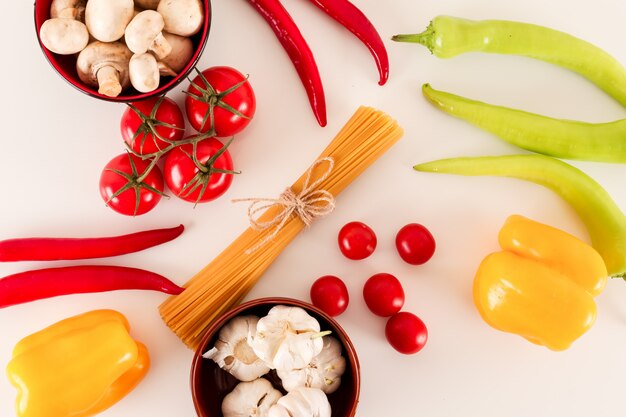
x=448, y=36
x=604, y=220
x=568, y=139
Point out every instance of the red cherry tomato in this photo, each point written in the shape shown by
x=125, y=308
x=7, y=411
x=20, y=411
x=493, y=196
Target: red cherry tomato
x=406, y=332
x=122, y=192
x=383, y=294
x=330, y=294
x=415, y=244
x=136, y=130
x=199, y=184
x=228, y=95
x=357, y=240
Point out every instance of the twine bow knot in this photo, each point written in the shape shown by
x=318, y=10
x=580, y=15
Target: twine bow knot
x=309, y=204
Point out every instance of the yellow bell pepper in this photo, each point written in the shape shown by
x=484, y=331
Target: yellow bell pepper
x=77, y=367
x=541, y=285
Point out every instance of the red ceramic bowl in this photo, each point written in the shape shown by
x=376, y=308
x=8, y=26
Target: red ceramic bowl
x=65, y=65
x=210, y=384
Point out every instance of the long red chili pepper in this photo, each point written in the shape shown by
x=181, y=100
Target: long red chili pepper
x=353, y=19
x=298, y=50
x=53, y=249
x=51, y=282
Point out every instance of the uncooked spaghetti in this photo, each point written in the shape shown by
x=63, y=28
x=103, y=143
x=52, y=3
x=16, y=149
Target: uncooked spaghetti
x=225, y=282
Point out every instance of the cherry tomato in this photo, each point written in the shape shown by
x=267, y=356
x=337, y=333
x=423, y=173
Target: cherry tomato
x=226, y=93
x=406, y=332
x=330, y=294
x=136, y=130
x=357, y=240
x=122, y=192
x=383, y=294
x=415, y=244
x=199, y=184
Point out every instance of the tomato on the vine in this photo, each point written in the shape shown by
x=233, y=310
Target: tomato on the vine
x=356, y=240
x=204, y=179
x=330, y=295
x=220, y=98
x=140, y=118
x=415, y=244
x=383, y=294
x=125, y=187
x=406, y=333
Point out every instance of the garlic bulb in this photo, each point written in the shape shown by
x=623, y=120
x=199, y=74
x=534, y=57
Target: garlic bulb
x=324, y=371
x=302, y=402
x=250, y=399
x=287, y=338
x=232, y=352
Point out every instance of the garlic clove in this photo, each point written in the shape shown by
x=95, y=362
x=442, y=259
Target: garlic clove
x=324, y=371
x=302, y=402
x=254, y=398
x=233, y=353
x=287, y=338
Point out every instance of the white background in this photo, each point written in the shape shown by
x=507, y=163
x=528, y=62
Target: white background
x=56, y=140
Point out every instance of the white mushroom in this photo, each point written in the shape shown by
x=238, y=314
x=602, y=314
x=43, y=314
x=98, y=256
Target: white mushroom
x=105, y=65
x=302, y=402
x=147, y=4
x=324, y=371
x=182, y=17
x=144, y=72
x=107, y=19
x=232, y=352
x=287, y=338
x=179, y=57
x=64, y=36
x=71, y=9
x=250, y=399
x=143, y=34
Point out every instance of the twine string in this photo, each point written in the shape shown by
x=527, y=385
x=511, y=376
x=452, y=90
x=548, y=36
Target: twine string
x=308, y=204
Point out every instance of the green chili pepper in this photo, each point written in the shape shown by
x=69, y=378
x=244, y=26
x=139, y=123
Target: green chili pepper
x=448, y=36
x=605, y=221
x=569, y=139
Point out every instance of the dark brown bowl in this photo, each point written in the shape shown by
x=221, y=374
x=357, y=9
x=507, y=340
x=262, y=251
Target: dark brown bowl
x=65, y=65
x=210, y=384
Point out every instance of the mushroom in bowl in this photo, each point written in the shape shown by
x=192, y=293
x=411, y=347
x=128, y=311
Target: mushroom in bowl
x=92, y=21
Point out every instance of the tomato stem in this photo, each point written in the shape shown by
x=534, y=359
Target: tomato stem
x=212, y=99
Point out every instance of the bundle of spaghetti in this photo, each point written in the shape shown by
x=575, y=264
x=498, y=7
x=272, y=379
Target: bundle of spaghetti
x=224, y=283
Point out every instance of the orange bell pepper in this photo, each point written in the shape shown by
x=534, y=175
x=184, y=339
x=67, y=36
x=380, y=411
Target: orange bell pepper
x=541, y=285
x=77, y=367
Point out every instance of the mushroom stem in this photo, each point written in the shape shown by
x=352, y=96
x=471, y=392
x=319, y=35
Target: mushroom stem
x=109, y=81
x=165, y=70
x=70, y=9
x=160, y=46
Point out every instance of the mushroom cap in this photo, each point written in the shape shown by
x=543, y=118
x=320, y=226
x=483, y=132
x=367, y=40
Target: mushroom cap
x=102, y=54
x=142, y=30
x=107, y=19
x=144, y=72
x=182, y=17
x=64, y=36
x=147, y=4
x=182, y=51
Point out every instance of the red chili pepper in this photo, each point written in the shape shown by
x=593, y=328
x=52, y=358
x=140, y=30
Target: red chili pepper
x=298, y=50
x=54, y=249
x=51, y=282
x=356, y=22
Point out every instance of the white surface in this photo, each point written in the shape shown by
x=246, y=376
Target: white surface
x=56, y=140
